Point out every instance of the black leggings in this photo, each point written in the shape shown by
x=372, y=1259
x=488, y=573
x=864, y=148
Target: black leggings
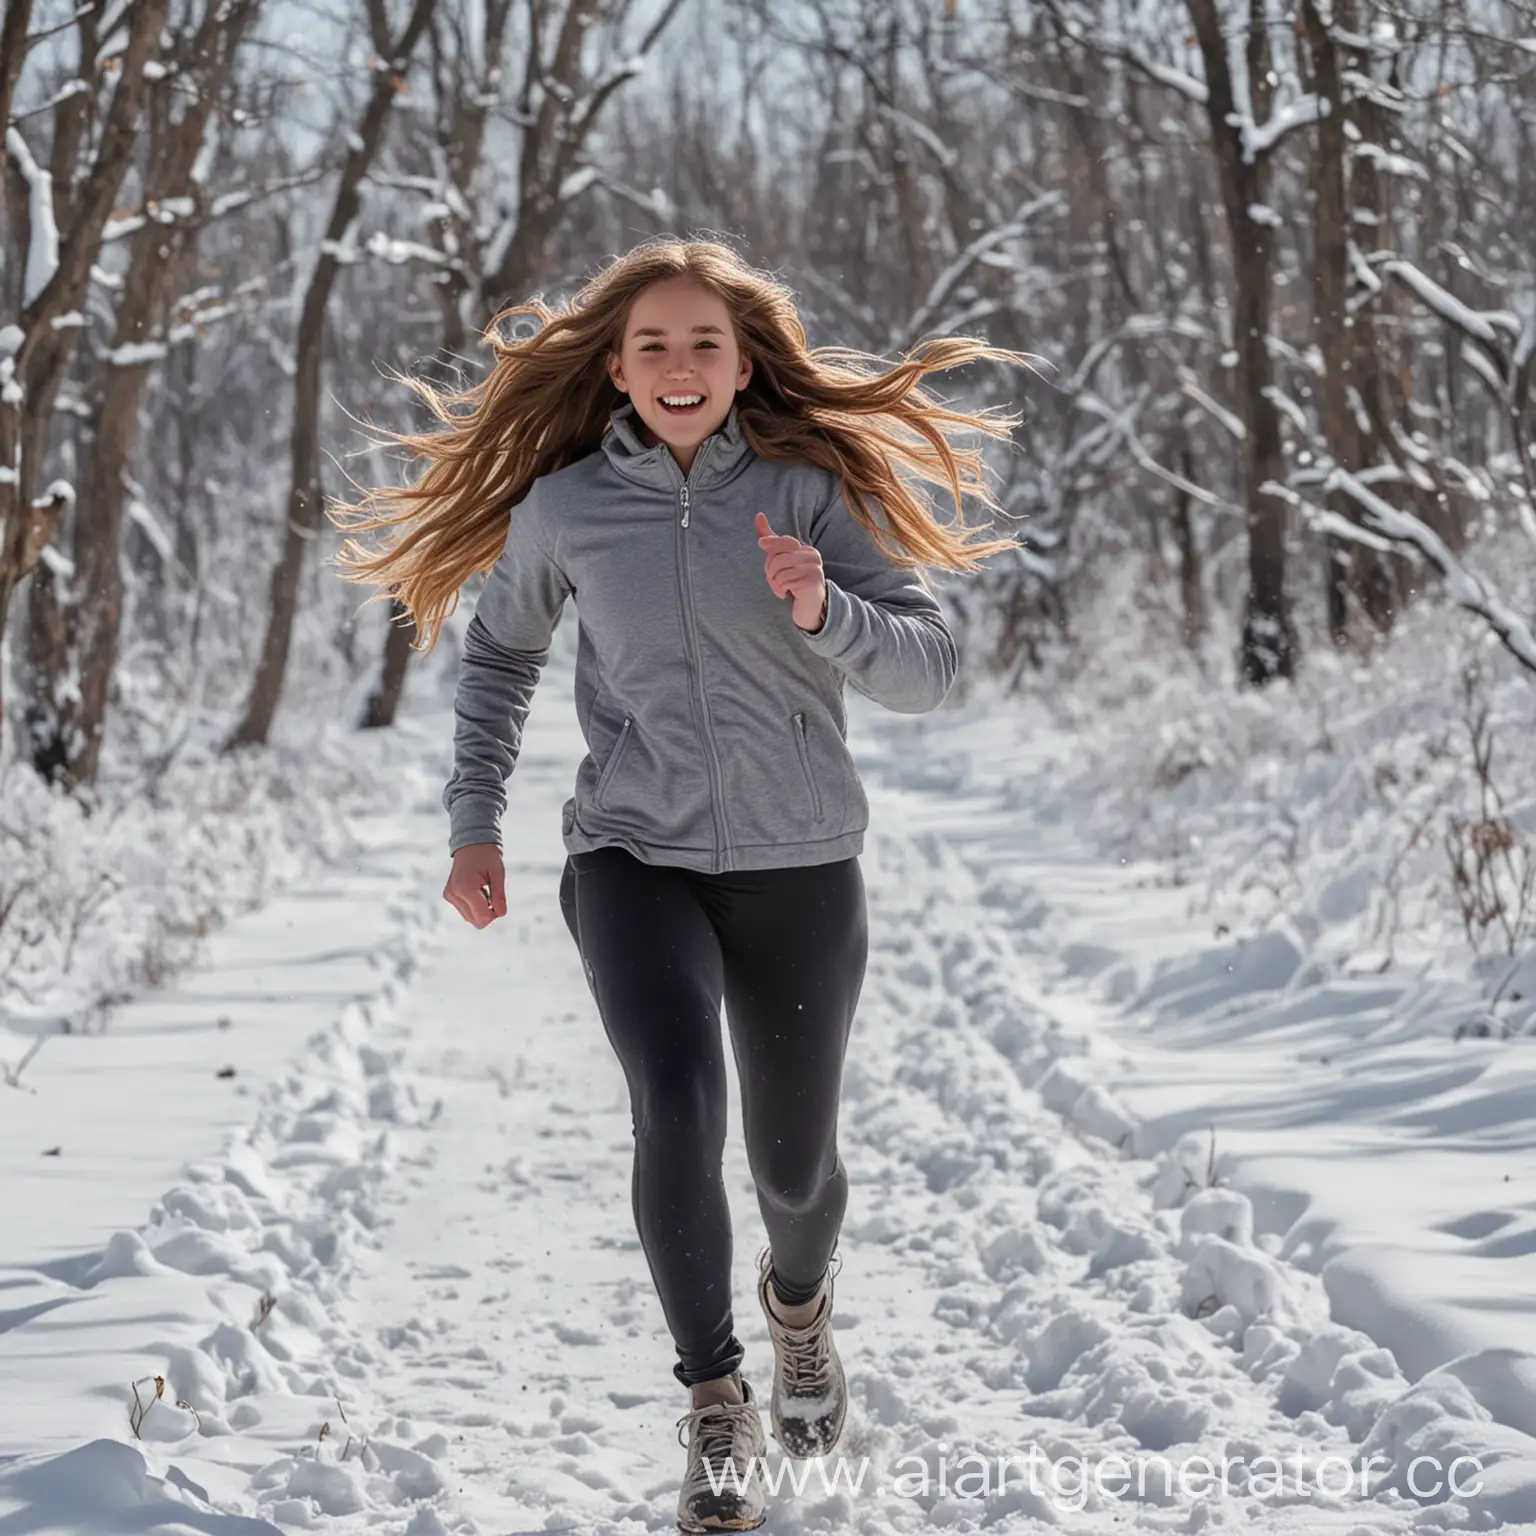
x=786, y=948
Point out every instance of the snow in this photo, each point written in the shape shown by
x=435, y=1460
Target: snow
x=1390, y=164
x=43, y=239
x=1470, y=591
x=1258, y=139
x=941, y=288
x=1484, y=327
x=202, y=166
x=921, y=132
x=342, y=251
x=577, y=183
x=357, y=1185
x=143, y=517
x=398, y=252
x=168, y=209
x=120, y=226
x=57, y=561
x=134, y=354
x=1181, y=81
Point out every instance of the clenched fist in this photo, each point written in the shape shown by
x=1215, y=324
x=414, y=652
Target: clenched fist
x=477, y=884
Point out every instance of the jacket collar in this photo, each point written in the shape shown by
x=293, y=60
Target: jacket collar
x=719, y=457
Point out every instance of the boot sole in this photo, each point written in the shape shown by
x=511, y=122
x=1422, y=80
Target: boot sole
x=746, y=1523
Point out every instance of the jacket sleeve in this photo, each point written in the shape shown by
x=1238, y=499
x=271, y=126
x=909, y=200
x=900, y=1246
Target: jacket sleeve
x=506, y=644
x=883, y=628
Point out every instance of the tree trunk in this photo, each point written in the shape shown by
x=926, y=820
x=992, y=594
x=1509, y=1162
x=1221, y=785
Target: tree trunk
x=1358, y=580
x=304, y=502
x=385, y=699
x=75, y=624
x=1269, y=636
x=1191, y=577
x=43, y=357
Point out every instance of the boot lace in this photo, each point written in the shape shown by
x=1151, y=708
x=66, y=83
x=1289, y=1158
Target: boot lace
x=807, y=1357
x=716, y=1435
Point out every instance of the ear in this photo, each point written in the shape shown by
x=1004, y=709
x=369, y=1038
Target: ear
x=616, y=372
x=744, y=373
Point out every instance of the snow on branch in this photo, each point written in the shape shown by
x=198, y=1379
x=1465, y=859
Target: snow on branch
x=1135, y=328
x=136, y=354
x=1390, y=164
x=194, y=327
x=1190, y=386
x=576, y=183
x=1321, y=520
x=1164, y=74
x=42, y=231
x=1121, y=424
x=1481, y=325
x=1466, y=589
x=1480, y=364
x=399, y=252
x=74, y=87
x=1288, y=408
x=655, y=202
x=438, y=188
x=1260, y=138
x=949, y=279
x=921, y=132
x=1118, y=45
x=143, y=517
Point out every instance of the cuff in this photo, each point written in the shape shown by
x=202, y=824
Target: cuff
x=473, y=819
x=836, y=630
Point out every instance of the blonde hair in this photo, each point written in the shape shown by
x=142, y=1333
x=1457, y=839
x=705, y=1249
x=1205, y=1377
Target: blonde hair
x=547, y=401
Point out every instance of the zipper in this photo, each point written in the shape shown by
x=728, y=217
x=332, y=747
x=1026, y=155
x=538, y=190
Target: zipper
x=805, y=763
x=690, y=632
x=600, y=793
x=685, y=490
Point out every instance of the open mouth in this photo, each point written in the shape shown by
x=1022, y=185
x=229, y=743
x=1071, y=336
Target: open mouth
x=682, y=405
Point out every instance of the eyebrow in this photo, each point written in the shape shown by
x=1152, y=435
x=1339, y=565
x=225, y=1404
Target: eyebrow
x=698, y=330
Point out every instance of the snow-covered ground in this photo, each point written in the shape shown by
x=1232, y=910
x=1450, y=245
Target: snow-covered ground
x=388, y=1275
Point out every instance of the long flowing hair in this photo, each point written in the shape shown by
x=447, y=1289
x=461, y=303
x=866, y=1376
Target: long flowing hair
x=547, y=401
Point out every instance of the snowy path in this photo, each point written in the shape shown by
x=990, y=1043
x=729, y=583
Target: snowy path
x=510, y=1270
x=436, y=1201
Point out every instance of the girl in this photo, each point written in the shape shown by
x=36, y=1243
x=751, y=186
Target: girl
x=727, y=509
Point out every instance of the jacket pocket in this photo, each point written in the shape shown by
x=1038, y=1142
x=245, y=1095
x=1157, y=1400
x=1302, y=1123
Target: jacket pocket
x=802, y=746
x=600, y=793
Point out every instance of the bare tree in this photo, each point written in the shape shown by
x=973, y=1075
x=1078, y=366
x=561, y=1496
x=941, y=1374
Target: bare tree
x=75, y=603
x=575, y=60
x=66, y=212
x=393, y=58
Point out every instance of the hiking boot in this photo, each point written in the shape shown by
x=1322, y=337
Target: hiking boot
x=723, y=1486
x=809, y=1399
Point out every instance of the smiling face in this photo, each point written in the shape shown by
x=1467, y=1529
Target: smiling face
x=680, y=364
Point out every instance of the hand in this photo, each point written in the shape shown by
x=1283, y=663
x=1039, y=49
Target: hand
x=794, y=570
x=477, y=884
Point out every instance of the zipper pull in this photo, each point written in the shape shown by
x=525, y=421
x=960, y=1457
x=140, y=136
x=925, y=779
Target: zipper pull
x=683, y=493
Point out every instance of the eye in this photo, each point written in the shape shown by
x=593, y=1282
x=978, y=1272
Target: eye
x=709, y=344
x=651, y=346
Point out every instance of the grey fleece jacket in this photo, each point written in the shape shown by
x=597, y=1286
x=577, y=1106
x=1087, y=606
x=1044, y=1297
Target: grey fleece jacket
x=715, y=726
